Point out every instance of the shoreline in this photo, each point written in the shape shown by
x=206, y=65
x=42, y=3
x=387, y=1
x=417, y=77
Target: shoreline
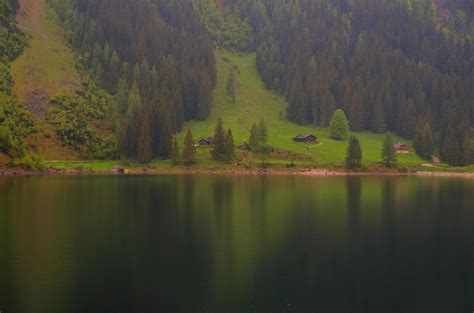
x=19, y=172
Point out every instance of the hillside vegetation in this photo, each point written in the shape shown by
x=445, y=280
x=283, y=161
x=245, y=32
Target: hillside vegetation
x=110, y=80
x=253, y=101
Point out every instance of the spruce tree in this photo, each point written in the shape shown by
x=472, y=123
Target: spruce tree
x=189, y=152
x=262, y=134
x=229, y=152
x=165, y=138
x=121, y=97
x=424, y=142
x=218, y=142
x=339, y=125
x=389, y=155
x=379, y=125
x=451, y=150
x=354, y=154
x=175, y=157
x=134, y=102
x=253, y=140
x=145, y=151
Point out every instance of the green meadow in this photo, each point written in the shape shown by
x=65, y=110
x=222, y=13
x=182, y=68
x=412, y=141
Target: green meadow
x=254, y=101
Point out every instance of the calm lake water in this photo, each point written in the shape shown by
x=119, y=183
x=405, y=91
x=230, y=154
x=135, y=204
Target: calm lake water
x=212, y=244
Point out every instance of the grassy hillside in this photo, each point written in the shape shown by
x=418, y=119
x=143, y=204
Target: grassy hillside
x=253, y=101
x=46, y=67
x=66, y=129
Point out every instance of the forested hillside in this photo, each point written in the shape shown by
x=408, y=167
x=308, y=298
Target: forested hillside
x=154, y=56
x=391, y=65
x=148, y=66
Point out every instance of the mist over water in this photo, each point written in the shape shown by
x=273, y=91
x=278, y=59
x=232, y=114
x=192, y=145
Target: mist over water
x=220, y=244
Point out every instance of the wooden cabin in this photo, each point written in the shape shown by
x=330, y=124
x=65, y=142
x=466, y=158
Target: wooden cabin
x=401, y=147
x=307, y=138
x=244, y=146
x=205, y=141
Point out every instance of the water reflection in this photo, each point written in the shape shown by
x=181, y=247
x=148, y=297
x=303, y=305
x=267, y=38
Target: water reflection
x=236, y=244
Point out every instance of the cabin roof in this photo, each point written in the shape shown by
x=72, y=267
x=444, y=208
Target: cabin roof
x=398, y=145
x=305, y=136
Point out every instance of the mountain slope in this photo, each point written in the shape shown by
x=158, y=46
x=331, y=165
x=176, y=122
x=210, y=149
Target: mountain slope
x=46, y=67
x=254, y=101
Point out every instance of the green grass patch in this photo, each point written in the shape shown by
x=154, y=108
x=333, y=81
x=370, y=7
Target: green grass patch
x=254, y=101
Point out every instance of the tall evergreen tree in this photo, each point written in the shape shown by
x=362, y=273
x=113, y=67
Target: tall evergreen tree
x=353, y=154
x=253, y=139
x=218, y=142
x=134, y=102
x=165, y=138
x=389, y=154
x=144, y=141
x=175, y=157
x=451, y=151
x=423, y=141
x=121, y=97
x=339, y=125
x=189, y=151
x=229, y=151
x=262, y=134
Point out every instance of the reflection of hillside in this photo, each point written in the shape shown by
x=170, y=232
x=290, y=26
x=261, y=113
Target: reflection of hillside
x=233, y=244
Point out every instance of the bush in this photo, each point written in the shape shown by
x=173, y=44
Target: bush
x=16, y=124
x=29, y=162
x=74, y=118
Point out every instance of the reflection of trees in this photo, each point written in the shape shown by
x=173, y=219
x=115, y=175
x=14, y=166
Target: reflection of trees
x=354, y=194
x=261, y=244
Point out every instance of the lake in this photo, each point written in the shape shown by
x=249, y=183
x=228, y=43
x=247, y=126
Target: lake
x=217, y=244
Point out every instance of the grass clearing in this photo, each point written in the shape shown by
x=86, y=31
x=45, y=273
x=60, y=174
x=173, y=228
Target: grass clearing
x=254, y=101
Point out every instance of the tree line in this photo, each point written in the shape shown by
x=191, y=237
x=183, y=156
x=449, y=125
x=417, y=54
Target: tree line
x=153, y=56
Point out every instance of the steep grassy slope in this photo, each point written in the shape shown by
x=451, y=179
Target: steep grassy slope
x=253, y=101
x=46, y=67
x=46, y=70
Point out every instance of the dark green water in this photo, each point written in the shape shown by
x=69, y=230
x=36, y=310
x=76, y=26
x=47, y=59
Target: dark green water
x=190, y=244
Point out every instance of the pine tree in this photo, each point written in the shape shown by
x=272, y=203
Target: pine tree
x=165, y=138
x=379, y=124
x=339, y=125
x=354, y=154
x=189, y=152
x=451, y=150
x=121, y=97
x=423, y=141
x=253, y=140
x=134, y=102
x=218, y=142
x=229, y=152
x=144, y=140
x=175, y=157
x=262, y=134
x=389, y=155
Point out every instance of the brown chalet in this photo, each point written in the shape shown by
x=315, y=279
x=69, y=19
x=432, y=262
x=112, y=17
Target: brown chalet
x=401, y=147
x=205, y=141
x=307, y=138
x=244, y=146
